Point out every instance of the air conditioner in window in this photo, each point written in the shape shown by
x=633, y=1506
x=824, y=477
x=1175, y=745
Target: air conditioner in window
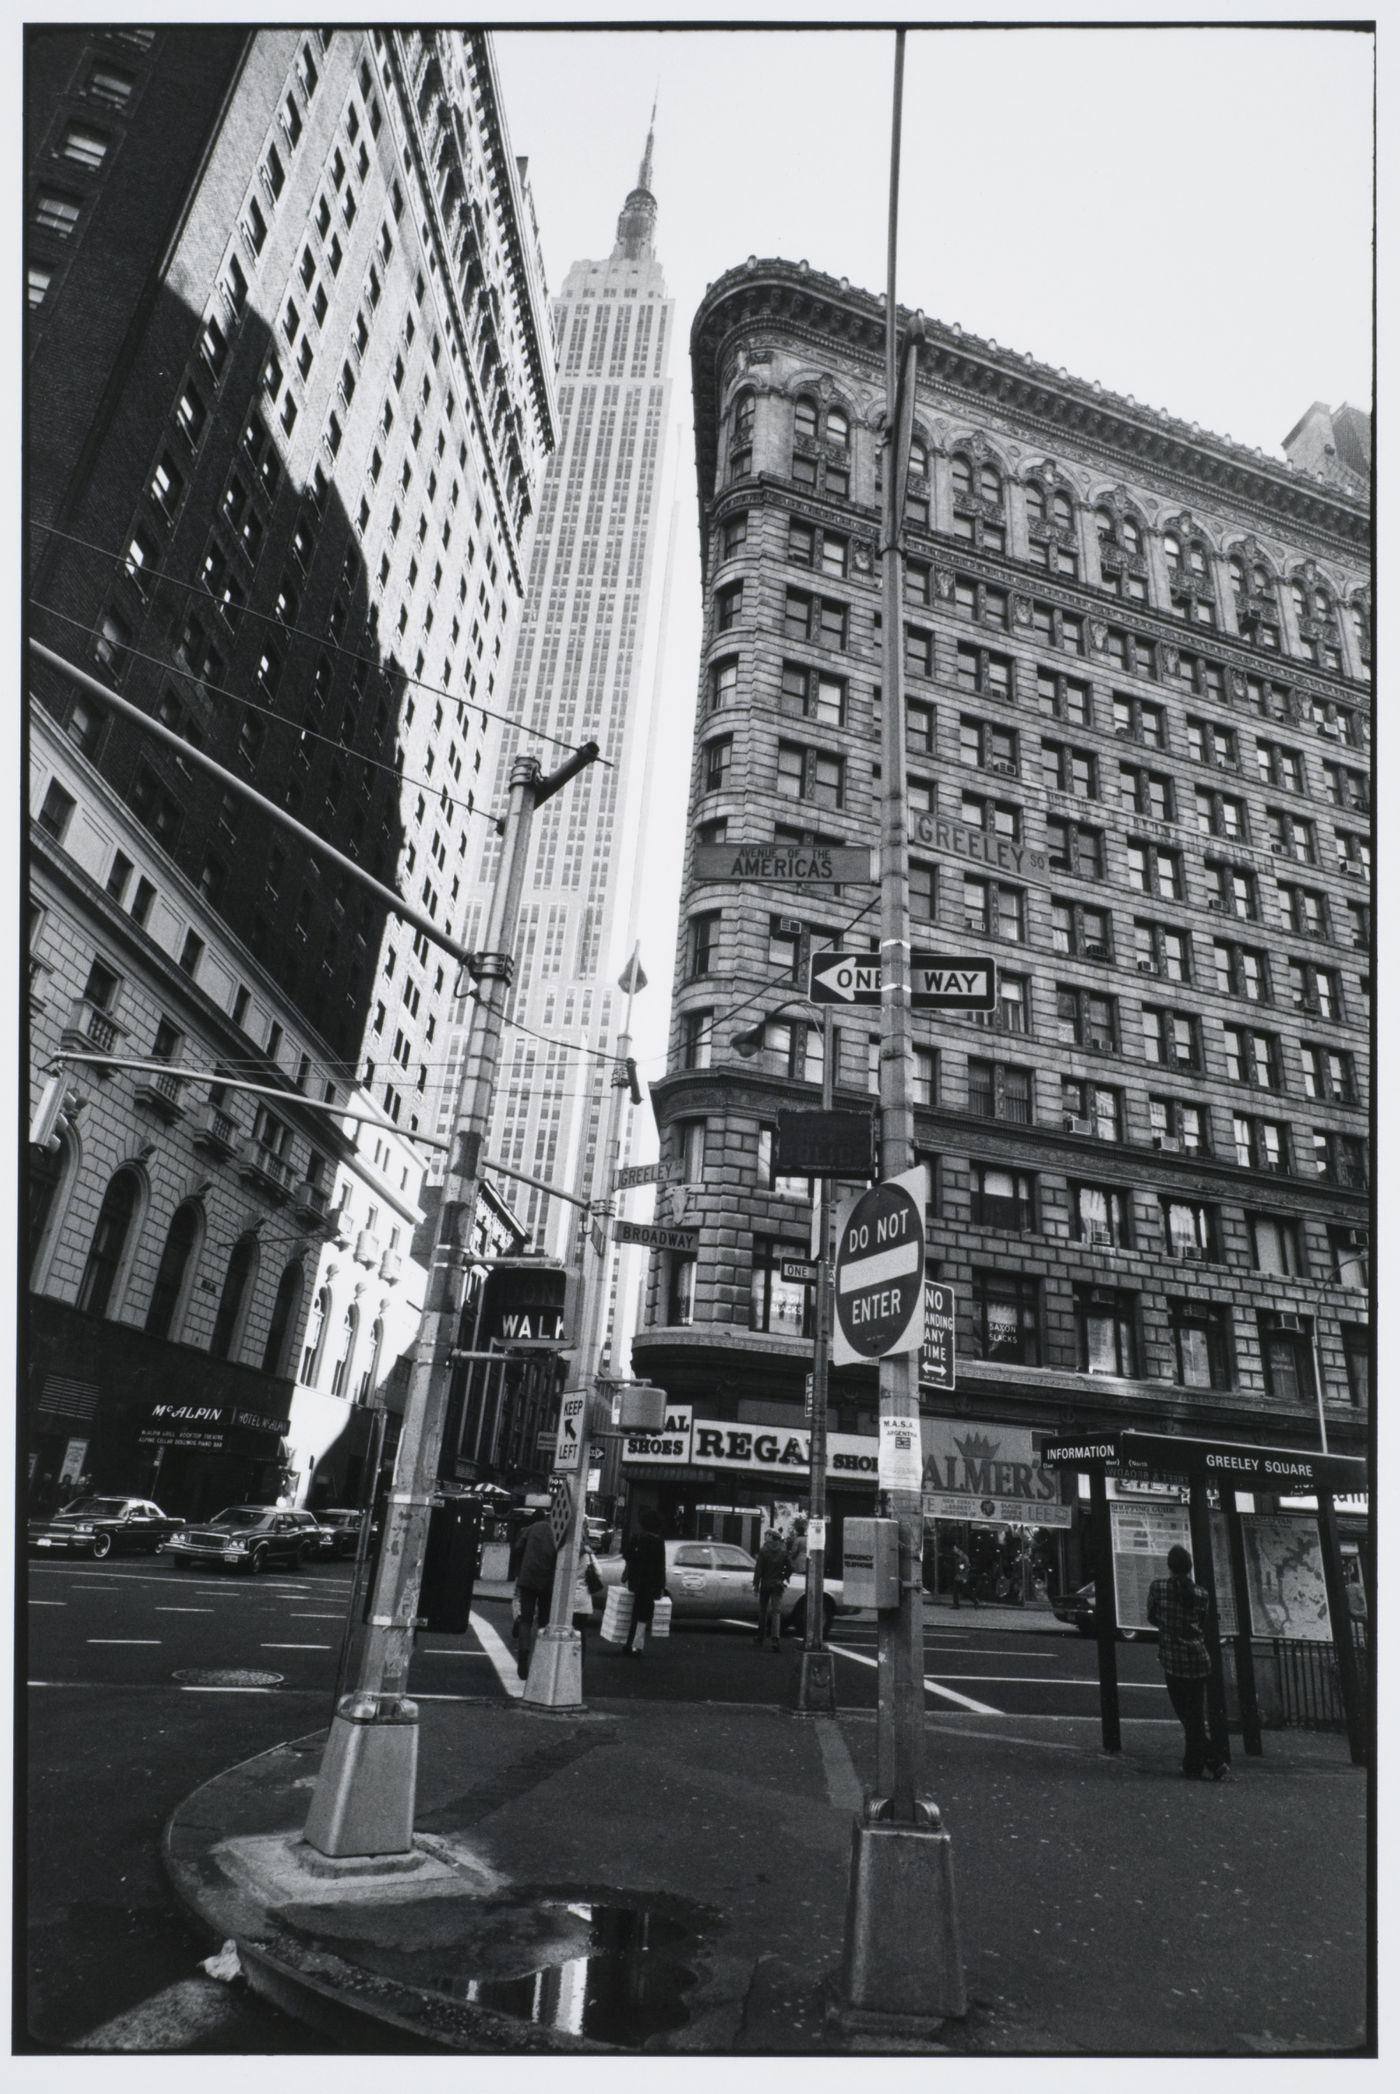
x=1147, y=966
x=1074, y=1125
x=1280, y=850
x=1099, y=1232
x=1095, y=952
x=1002, y=766
x=1280, y=1321
x=1330, y=729
x=1189, y=1250
x=1167, y=1142
x=1213, y=901
x=1305, y=1003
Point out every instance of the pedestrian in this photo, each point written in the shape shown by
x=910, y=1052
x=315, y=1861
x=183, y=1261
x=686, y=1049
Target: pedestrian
x=962, y=1579
x=1177, y=1608
x=534, y=1583
x=770, y=1575
x=644, y=1575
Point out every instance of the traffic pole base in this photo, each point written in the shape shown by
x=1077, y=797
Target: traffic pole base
x=556, y=1671
x=366, y=1790
x=901, y=1969
x=816, y=1685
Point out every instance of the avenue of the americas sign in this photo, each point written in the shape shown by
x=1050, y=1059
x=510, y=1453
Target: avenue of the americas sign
x=1003, y=854
x=880, y=1270
x=786, y=864
x=825, y=1145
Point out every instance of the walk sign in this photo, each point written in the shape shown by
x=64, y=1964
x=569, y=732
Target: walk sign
x=880, y=1270
x=572, y=1413
x=937, y=981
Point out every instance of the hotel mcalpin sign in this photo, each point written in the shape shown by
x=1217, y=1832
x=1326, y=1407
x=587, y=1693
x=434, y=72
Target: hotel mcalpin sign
x=989, y=1474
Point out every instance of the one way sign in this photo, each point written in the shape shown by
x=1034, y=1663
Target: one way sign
x=569, y=1446
x=937, y=981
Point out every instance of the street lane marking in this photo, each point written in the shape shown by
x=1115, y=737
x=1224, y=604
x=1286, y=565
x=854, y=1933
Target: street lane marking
x=452, y=1654
x=1028, y=1679
x=185, y=1610
x=501, y=1657
x=964, y=1701
x=152, y=1642
x=48, y=1603
x=843, y=1787
x=294, y=1646
x=315, y=1617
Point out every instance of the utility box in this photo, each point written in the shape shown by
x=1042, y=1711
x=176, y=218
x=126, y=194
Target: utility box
x=640, y=1407
x=870, y=1564
x=449, y=1567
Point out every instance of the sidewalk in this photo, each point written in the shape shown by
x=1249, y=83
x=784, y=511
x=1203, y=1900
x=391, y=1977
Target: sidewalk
x=1106, y=1906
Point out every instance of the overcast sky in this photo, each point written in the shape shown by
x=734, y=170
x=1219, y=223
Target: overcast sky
x=1183, y=214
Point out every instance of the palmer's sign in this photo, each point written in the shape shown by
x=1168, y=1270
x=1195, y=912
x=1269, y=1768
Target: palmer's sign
x=988, y=1473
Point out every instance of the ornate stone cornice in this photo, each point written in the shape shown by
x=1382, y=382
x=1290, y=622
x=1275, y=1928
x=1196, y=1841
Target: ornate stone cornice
x=810, y=307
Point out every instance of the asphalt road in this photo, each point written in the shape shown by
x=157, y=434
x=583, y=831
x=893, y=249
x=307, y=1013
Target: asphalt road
x=115, y=1741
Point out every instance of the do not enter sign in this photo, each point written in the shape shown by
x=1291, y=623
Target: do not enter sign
x=880, y=1271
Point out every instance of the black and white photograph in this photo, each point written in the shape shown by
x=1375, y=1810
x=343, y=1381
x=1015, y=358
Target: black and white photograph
x=696, y=1162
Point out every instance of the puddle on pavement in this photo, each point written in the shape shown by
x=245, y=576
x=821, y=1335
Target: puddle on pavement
x=613, y=1972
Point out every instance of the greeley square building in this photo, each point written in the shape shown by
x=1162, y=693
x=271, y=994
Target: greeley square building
x=1137, y=699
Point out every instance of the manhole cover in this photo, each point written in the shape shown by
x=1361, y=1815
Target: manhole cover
x=225, y=1676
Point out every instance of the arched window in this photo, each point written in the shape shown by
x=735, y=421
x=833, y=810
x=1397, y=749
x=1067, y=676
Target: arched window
x=1035, y=502
x=1256, y=600
x=804, y=419
x=349, y=1330
x=233, y=1302
x=962, y=475
x=1319, y=633
x=315, y=1334
x=989, y=484
x=1191, y=589
x=284, y=1315
x=741, y=437
x=1052, y=543
x=979, y=517
x=111, y=1240
x=1359, y=613
x=369, y=1380
x=916, y=490
x=918, y=457
x=838, y=426
x=1122, y=567
x=1132, y=535
x=166, y=1312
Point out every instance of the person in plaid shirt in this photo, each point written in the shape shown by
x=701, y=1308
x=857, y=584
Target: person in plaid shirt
x=1177, y=1608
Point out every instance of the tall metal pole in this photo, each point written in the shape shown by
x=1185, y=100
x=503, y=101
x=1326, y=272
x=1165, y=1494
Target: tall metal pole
x=902, y=1968
x=365, y=1793
x=556, y=1663
x=816, y=1685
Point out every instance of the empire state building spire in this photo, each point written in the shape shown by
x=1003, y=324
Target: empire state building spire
x=637, y=222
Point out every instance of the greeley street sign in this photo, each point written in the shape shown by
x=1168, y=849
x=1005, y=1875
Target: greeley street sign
x=880, y=1270
x=786, y=864
x=937, y=981
x=935, y=832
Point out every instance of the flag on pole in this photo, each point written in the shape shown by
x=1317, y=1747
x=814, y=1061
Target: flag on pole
x=632, y=979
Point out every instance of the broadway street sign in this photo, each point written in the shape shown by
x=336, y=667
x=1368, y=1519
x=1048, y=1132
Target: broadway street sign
x=655, y=1237
x=937, y=981
x=787, y=864
x=935, y=832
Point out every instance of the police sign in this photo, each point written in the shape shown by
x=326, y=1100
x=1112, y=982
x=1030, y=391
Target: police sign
x=880, y=1270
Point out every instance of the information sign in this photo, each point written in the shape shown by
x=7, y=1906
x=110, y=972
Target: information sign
x=880, y=1270
x=938, y=1354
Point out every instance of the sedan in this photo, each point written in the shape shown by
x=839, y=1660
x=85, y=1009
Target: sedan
x=342, y=1524
x=252, y=1538
x=713, y=1581
x=97, y=1526
x=1077, y=1608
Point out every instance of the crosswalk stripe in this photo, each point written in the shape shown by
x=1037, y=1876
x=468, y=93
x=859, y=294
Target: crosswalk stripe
x=964, y=1701
x=502, y=1658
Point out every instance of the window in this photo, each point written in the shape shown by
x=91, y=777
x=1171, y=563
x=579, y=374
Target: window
x=1003, y=1315
x=1241, y=971
x=813, y=694
x=85, y=146
x=1305, y=910
x=1052, y=627
x=1100, y=1214
x=1356, y=1345
x=1341, y=1159
x=1176, y=1125
x=1256, y=602
x=1189, y=583
x=977, y=600
x=810, y=774
x=923, y=891
x=1231, y=890
x=1252, y=1057
x=1280, y=766
x=1069, y=770
x=1107, y=1330
x=696, y=1032
x=918, y=727
x=1122, y=563
x=113, y=638
x=817, y=618
x=186, y=1229
x=704, y=941
x=994, y=817
x=1094, y=1109
x=1208, y=743
x=1146, y=792
x=998, y=1092
x=157, y=808
x=56, y=213
x=1012, y=1013
x=1274, y=1242
x=1201, y=1342
x=1002, y=1199
x=1353, y=854
x=787, y=1188
x=729, y=603
x=1313, y=988
x=1063, y=697
x=776, y=1304
x=718, y=754
x=233, y=1301
x=989, y=746
x=106, y=1253
x=1086, y=1020
x=1345, y=788
x=1350, y=1251
x=724, y=682
x=734, y=533
x=680, y=1304
x=1169, y=1039
x=1162, y=951
x=993, y=909
x=978, y=669
x=918, y=658
x=796, y=1048
x=1221, y=814
x=1050, y=520
x=1261, y=1145
x=1285, y=1343
x=1076, y=929
x=1189, y=1229
x=1328, y=1072
x=979, y=513
x=1291, y=836
x=1131, y=652
x=57, y=811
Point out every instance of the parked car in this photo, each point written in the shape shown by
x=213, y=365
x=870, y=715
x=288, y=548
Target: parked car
x=251, y=1538
x=98, y=1526
x=320, y=1543
x=341, y=1524
x=713, y=1581
x=1077, y=1608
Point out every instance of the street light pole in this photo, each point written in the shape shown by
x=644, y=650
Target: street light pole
x=365, y=1793
x=816, y=1684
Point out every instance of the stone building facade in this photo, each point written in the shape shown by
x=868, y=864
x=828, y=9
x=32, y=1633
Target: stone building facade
x=290, y=387
x=1137, y=685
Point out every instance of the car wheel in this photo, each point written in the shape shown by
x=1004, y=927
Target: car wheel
x=101, y=1546
x=303, y=1555
x=1085, y=1628
x=257, y=1562
x=796, y=1623
x=179, y=1563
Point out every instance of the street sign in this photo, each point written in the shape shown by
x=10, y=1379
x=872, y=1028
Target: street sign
x=546, y=1442
x=573, y=1410
x=802, y=1272
x=880, y=1270
x=598, y=1237
x=644, y=1174
x=809, y=1395
x=938, y=1355
x=825, y=1145
x=937, y=981
x=655, y=1236
x=1002, y=854
x=1240, y=1467
x=786, y=864
x=1091, y=1452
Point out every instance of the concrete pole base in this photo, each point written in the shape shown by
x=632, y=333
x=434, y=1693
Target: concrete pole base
x=816, y=1685
x=367, y=1787
x=556, y=1671
x=902, y=1964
